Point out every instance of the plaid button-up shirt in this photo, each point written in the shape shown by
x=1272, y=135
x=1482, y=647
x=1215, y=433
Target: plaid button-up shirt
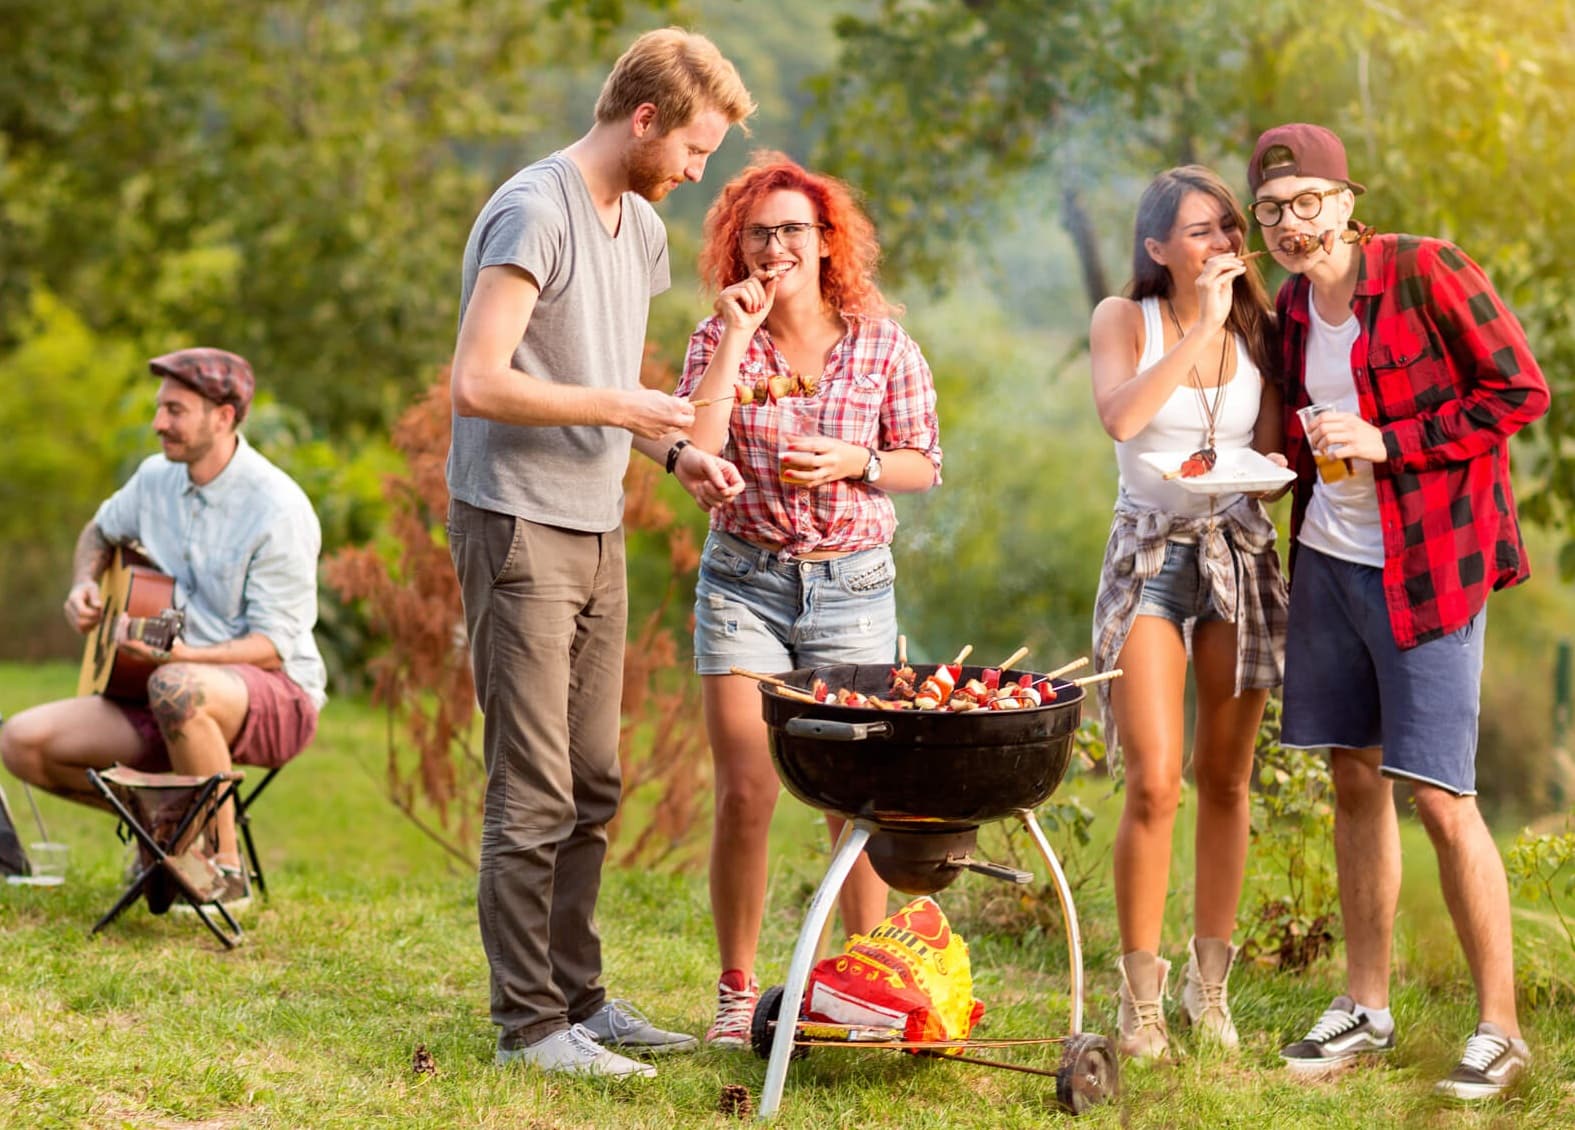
x=876, y=391
x=1443, y=370
x=1240, y=574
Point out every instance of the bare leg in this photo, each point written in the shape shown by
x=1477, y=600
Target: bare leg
x=1148, y=713
x=52, y=746
x=863, y=897
x=1222, y=750
x=1477, y=894
x=746, y=796
x=199, y=708
x=1367, y=856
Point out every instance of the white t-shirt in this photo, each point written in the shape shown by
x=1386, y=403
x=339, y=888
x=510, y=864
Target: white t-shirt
x=1181, y=424
x=1342, y=518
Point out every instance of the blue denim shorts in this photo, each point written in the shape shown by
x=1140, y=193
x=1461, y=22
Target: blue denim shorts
x=1347, y=686
x=754, y=610
x=1176, y=592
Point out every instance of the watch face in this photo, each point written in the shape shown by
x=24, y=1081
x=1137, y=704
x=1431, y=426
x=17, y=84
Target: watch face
x=872, y=472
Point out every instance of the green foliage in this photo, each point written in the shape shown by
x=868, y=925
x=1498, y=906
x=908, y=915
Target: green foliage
x=74, y=420
x=1292, y=923
x=1456, y=118
x=1006, y=551
x=1542, y=867
x=287, y=179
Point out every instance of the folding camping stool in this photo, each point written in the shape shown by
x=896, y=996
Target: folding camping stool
x=171, y=818
x=243, y=825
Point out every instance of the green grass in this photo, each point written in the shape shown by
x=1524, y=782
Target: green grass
x=369, y=947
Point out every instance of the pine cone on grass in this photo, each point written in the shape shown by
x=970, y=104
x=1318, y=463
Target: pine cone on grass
x=735, y=1101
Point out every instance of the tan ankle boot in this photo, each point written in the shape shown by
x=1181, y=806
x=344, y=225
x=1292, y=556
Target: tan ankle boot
x=1204, y=1005
x=1140, y=1018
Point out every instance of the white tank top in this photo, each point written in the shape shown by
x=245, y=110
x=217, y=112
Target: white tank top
x=1181, y=425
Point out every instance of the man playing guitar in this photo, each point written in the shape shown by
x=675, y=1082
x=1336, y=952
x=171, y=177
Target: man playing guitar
x=244, y=682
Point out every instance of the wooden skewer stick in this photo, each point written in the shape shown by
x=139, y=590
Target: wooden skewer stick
x=1013, y=658
x=1082, y=661
x=902, y=651
x=757, y=676
x=710, y=400
x=786, y=690
x=966, y=651
x=1113, y=673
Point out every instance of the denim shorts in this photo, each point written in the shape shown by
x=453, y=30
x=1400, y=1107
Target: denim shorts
x=1176, y=592
x=1347, y=686
x=755, y=610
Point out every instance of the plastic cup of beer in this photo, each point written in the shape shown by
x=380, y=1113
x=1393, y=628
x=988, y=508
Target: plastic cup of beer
x=797, y=416
x=1331, y=468
x=48, y=864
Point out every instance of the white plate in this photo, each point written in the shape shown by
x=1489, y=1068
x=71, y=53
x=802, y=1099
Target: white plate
x=1235, y=471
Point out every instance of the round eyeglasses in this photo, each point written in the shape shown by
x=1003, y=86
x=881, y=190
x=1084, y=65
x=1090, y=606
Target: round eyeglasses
x=792, y=236
x=1304, y=206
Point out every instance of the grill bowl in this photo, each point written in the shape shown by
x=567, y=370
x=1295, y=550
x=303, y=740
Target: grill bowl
x=918, y=770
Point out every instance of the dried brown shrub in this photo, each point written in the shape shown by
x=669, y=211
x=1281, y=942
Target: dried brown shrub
x=422, y=675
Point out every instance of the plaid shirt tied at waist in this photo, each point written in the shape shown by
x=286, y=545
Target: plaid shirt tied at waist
x=1240, y=572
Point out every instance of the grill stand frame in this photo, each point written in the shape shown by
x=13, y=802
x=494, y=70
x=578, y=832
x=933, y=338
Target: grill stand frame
x=808, y=949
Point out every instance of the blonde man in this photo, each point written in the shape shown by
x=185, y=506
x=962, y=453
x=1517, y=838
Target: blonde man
x=558, y=274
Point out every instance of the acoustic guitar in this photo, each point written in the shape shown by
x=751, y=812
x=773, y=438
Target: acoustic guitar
x=138, y=605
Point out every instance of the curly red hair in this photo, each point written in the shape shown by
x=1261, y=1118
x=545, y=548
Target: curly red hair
x=847, y=274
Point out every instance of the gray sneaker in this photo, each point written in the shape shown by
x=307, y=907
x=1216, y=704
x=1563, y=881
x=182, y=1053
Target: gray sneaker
x=618, y=1024
x=574, y=1051
x=1340, y=1035
x=1492, y=1062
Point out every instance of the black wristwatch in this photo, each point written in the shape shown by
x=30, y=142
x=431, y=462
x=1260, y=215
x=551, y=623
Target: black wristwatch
x=673, y=453
x=872, y=468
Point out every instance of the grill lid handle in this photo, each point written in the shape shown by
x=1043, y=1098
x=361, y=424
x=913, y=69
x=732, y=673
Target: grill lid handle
x=837, y=731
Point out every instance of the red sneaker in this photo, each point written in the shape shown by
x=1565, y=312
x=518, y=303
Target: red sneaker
x=735, y=1009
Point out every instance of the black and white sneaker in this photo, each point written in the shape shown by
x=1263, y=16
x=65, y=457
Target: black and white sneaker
x=1340, y=1035
x=1492, y=1062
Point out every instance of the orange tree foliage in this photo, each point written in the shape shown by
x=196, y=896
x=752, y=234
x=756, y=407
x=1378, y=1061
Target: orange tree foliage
x=422, y=676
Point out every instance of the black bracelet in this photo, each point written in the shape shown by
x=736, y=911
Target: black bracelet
x=672, y=454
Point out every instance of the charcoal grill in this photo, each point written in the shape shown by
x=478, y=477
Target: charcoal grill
x=915, y=787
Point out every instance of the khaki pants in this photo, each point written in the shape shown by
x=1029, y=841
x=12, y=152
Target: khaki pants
x=547, y=610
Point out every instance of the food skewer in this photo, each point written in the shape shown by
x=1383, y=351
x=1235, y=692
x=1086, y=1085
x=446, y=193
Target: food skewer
x=966, y=651
x=1064, y=668
x=1306, y=244
x=902, y=651
x=787, y=690
x=1113, y=673
x=706, y=402
x=1013, y=658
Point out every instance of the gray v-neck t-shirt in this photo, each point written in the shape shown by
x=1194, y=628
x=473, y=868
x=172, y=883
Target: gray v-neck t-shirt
x=588, y=329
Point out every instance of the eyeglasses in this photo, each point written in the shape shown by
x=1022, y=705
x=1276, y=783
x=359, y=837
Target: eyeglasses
x=1304, y=206
x=793, y=236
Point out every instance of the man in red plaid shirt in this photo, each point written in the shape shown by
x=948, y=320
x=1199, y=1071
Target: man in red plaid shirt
x=1405, y=377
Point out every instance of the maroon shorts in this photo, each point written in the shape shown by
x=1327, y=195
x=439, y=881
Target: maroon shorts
x=280, y=722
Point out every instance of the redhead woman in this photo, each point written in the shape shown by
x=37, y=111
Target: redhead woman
x=827, y=408
x=1179, y=365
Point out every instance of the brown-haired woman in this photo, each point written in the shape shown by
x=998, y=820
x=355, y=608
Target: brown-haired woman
x=797, y=570
x=1179, y=364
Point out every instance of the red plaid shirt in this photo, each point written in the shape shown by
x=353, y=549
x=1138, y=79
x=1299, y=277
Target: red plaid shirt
x=1442, y=368
x=876, y=391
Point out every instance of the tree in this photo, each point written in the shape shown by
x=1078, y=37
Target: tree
x=284, y=178
x=1456, y=119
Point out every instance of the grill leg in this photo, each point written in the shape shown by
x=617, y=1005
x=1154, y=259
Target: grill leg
x=1074, y=941
x=819, y=913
